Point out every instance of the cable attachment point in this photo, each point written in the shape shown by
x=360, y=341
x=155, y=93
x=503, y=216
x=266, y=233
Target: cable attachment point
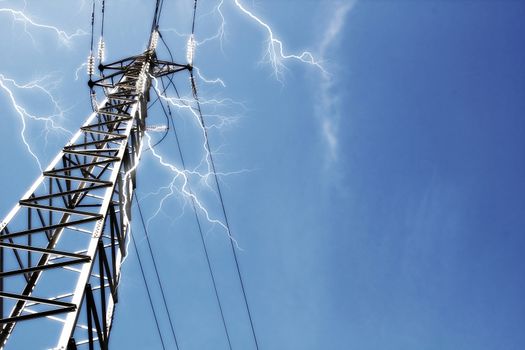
x=193, y=87
x=94, y=103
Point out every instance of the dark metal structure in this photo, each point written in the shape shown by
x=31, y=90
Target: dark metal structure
x=62, y=245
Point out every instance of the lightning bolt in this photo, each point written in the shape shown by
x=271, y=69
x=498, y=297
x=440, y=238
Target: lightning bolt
x=275, y=49
x=223, y=121
x=10, y=86
x=79, y=68
x=171, y=188
x=221, y=32
x=180, y=181
x=20, y=16
x=209, y=81
x=183, y=177
x=7, y=85
x=219, y=35
x=276, y=55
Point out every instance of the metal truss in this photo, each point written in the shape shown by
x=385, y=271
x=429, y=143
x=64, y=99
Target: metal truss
x=62, y=245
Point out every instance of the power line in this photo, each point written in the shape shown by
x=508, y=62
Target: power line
x=148, y=292
x=160, y=11
x=91, y=58
x=197, y=219
x=92, y=24
x=103, y=17
x=156, y=16
x=194, y=13
x=219, y=192
x=156, y=272
x=166, y=45
x=167, y=124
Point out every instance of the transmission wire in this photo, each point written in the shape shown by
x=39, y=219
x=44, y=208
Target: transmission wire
x=168, y=114
x=156, y=15
x=103, y=16
x=160, y=11
x=219, y=192
x=148, y=292
x=221, y=199
x=92, y=25
x=166, y=132
x=156, y=271
x=194, y=13
x=91, y=90
x=197, y=219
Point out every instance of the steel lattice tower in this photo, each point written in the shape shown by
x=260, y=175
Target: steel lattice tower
x=62, y=245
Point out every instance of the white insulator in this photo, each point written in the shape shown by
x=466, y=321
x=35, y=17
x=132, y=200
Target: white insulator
x=190, y=50
x=157, y=128
x=141, y=82
x=154, y=40
x=138, y=84
x=101, y=50
x=91, y=65
x=142, y=78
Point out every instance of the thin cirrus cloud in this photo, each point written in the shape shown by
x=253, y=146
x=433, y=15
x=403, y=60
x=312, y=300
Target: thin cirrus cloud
x=329, y=108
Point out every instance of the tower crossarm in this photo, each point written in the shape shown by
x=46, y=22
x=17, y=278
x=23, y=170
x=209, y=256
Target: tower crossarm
x=162, y=68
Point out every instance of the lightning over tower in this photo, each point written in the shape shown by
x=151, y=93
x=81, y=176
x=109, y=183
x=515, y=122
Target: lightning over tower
x=63, y=243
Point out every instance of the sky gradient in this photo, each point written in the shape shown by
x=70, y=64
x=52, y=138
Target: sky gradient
x=379, y=205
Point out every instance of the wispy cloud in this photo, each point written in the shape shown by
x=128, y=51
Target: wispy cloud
x=328, y=107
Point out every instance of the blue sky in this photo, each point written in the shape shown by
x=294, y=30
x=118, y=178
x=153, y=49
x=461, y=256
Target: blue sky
x=382, y=206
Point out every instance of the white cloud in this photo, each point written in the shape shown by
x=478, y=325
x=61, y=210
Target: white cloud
x=328, y=107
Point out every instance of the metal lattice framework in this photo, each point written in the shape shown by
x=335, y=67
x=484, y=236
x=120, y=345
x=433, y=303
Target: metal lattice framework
x=62, y=245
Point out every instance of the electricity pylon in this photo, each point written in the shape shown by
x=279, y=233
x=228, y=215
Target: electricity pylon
x=62, y=245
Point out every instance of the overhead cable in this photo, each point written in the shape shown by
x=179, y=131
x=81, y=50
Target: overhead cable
x=197, y=220
x=156, y=271
x=148, y=292
x=219, y=192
